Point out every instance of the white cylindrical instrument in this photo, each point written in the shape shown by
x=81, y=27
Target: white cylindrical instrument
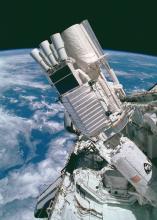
x=59, y=46
x=44, y=58
x=78, y=46
x=36, y=55
x=137, y=169
x=54, y=51
x=45, y=46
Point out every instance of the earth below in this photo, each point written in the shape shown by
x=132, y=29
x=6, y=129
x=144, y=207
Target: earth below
x=34, y=145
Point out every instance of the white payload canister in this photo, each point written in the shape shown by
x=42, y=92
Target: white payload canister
x=136, y=168
x=78, y=47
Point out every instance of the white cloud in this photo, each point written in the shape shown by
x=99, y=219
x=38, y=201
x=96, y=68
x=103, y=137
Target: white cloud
x=11, y=127
x=16, y=210
x=15, y=72
x=41, y=121
x=25, y=183
x=59, y=148
x=20, y=188
x=22, y=185
x=121, y=73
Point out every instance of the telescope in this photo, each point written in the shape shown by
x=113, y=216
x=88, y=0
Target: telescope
x=35, y=53
x=108, y=156
x=59, y=46
x=45, y=47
